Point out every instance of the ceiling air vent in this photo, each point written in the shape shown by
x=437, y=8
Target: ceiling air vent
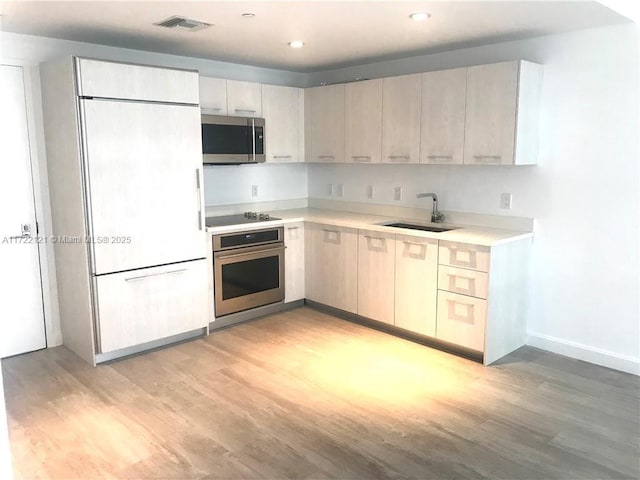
x=181, y=22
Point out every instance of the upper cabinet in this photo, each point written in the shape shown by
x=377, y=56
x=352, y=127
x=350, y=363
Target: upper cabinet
x=443, y=116
x=283, y=110
x=104, y=79
x=363, y=113
x=213, y=96
x=244, y=99
x=401, y=119
x=325, y=123
x=502, y=102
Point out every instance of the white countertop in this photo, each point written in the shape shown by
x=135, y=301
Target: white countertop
x=463, y=234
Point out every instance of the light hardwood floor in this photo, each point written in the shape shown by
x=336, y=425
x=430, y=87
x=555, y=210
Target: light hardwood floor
x=304, y=395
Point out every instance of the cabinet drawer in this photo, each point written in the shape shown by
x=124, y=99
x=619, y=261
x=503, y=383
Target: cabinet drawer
x=460, y=280
x=104, y=79
x=461, y=320
x=464, y=255
x=152, y=303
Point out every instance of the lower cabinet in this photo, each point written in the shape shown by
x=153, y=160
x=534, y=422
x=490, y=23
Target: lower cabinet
x=461, y=320
x=416, y=284
x=331, y=258
x=472, y=296
x=294, y=276
x=376, y=273
x=140, y=306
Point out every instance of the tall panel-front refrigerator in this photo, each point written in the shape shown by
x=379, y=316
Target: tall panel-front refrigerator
x=125, y=172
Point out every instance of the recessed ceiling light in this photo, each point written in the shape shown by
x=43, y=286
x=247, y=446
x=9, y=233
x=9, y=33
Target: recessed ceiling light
x=296, y=44
x=419, y=16
x=248, y=15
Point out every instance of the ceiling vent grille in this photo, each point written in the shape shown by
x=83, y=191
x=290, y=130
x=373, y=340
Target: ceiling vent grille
x=181, y=22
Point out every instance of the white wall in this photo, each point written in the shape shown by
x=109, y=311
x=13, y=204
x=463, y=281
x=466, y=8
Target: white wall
x=230, y=184
x=583, y=193
x=5, y=452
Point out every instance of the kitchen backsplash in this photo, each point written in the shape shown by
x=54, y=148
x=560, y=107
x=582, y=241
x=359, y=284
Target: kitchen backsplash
x=241, y=184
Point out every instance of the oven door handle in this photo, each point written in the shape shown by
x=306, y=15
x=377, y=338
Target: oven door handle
x=223, y=256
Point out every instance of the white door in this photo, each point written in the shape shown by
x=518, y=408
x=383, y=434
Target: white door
x=21, y=309
x=145, y=173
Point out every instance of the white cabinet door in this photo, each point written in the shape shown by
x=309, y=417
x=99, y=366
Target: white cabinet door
x=213, y=96
x=294, y=271
x=416, y=286
x=363, y=112
x=401, y=107
x=244, y=99
x=283, y=109
x=491, y=114
x=324, y=123
x=376, y=273
x=104, y=79
x=332, y=266
x=149, y=304
x=144, y=166
x=461, y=320
x=443, y=116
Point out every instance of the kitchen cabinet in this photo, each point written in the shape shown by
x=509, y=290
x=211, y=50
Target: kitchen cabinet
x=121, y=170
x=324, y=110
x=401, y=110
x=213, y=96
x=363, y=121
x=482, y=296
x=443, y=116
x=104, y=79
x=141, y=306
x=331, y=258
x=294, y=262
x=244, y=99
x=416, y=284
x=502, y=108
x=283, y=110
x=376, y=275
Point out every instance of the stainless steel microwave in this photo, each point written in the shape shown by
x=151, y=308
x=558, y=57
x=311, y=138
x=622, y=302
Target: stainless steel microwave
x=232, y=140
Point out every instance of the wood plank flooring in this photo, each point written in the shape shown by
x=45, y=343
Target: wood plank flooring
x=304, y=395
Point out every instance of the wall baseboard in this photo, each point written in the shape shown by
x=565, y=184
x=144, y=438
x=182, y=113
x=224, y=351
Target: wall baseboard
x=586, y=353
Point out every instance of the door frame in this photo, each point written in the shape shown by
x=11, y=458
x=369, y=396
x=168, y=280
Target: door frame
x=39, y=178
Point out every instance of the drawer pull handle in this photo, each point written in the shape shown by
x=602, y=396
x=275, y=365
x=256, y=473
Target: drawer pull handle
x=282, y=156
x=397, y=158
x=245, y=110
x=140, y=277
x=454, y=314
x=463, y=258
x=440, y=157
x=407, y=242
x=326, y=156
x=469, y=289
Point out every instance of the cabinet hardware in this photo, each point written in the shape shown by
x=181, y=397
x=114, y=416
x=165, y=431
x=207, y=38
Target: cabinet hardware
x=130, y=279
x=487, y=158
x=399, y=158
x=244, y=110
x=326, y=156
x=330, y=231
x=199, y=190
x=440, y=157
x=282, y=156
x=293, y=228
x=406, y=242
x=361, y=158
x=374, y=238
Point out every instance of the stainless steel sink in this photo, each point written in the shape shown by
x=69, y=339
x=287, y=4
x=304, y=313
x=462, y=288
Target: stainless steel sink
x=424, y=228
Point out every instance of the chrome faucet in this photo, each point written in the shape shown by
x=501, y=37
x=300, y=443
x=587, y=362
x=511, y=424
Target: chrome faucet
x=436, y=215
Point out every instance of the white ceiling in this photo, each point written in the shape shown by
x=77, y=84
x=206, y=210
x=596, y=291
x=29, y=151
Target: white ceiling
x=336, y=33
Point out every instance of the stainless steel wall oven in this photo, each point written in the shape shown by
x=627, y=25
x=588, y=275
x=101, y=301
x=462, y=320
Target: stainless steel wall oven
x=248, y=269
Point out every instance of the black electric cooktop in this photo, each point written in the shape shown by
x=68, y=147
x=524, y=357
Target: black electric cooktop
x=240, y=219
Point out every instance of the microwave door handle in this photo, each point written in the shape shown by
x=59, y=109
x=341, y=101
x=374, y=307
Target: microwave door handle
x=253, y=139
